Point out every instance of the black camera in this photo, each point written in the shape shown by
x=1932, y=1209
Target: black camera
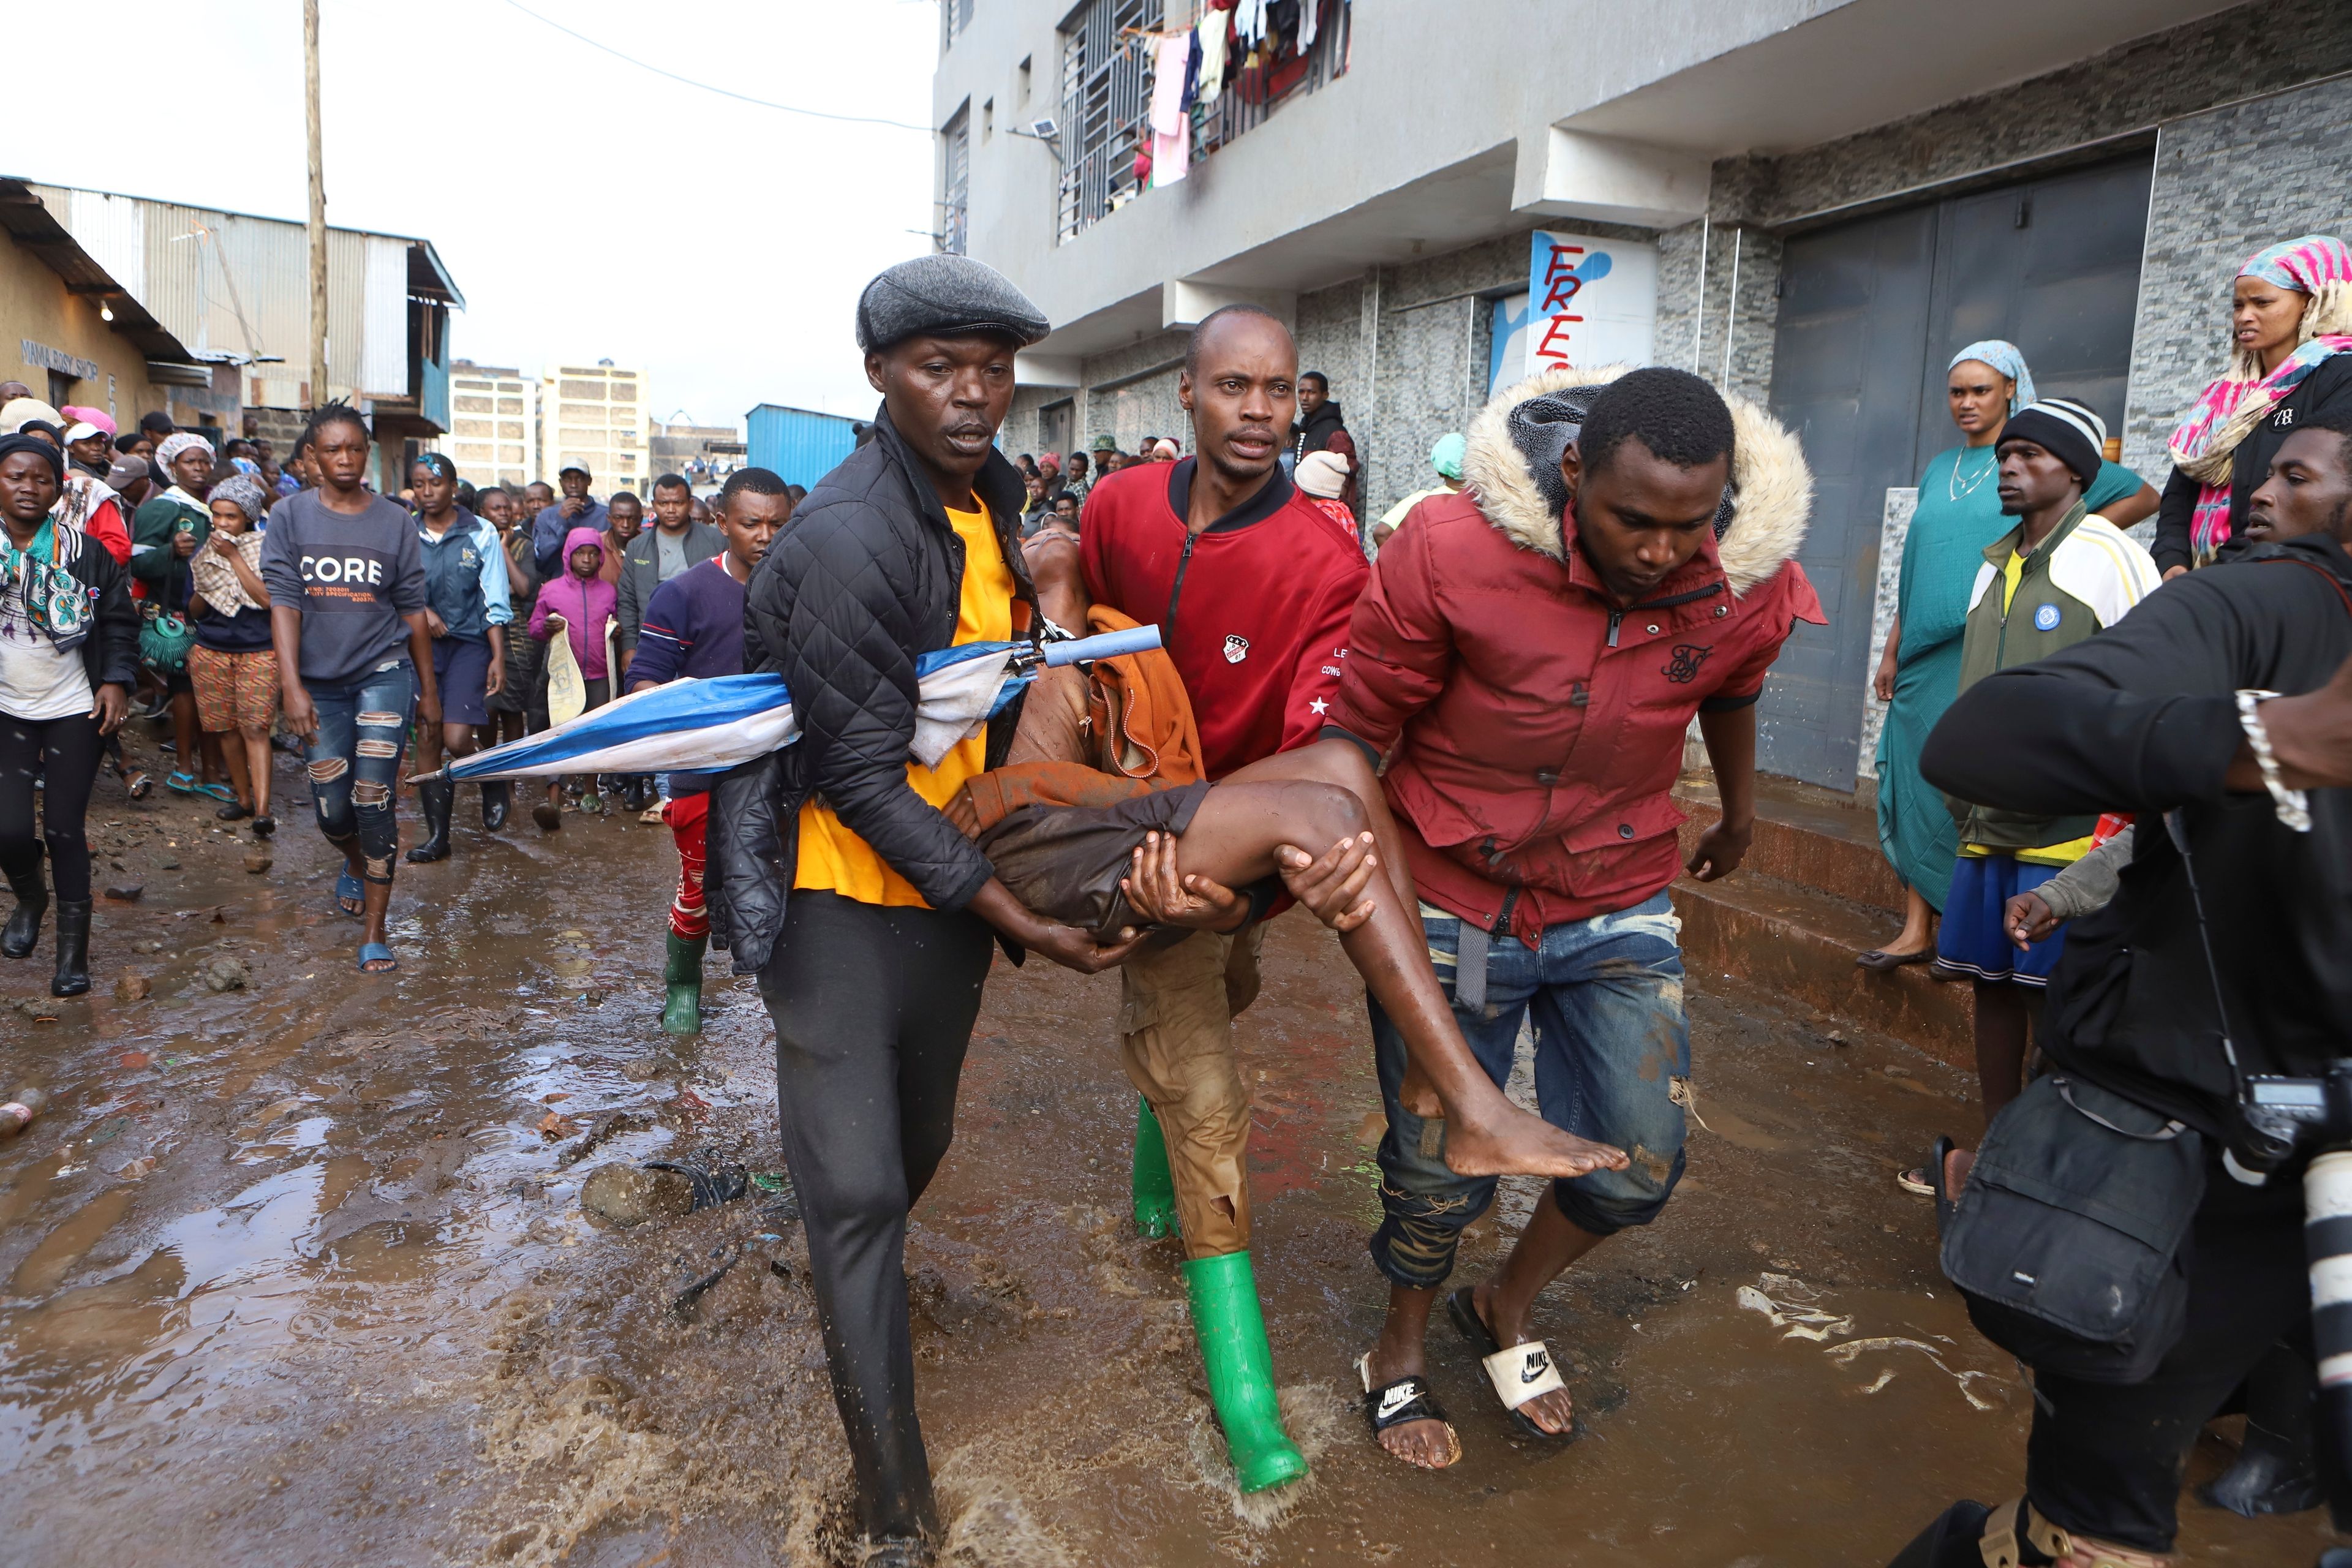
x=2279, y=1117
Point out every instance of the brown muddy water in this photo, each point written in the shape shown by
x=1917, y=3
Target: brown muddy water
x=293, y=1274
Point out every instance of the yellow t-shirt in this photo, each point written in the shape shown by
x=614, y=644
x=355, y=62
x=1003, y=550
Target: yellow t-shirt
x=835, y=859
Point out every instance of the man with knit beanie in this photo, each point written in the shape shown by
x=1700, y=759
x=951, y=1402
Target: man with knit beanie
x=2061, y=576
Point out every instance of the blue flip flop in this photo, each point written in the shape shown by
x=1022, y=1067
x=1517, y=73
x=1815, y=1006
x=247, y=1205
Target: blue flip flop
x=349, y=886
x=373, y=952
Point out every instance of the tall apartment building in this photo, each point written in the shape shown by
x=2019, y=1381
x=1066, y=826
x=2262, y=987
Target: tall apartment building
x=494, y=423
x=594, y=416
x=1810, y=202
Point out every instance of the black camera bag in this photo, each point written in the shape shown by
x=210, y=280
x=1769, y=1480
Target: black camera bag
x=2070, y=1241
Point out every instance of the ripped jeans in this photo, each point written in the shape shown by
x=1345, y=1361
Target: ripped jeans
x=355, y=760
x=1611, y=1063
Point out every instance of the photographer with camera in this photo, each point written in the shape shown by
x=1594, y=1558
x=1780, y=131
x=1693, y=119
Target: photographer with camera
x=2134, y=1225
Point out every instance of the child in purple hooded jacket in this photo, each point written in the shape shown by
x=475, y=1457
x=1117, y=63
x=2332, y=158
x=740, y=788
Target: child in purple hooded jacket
x=583, y=604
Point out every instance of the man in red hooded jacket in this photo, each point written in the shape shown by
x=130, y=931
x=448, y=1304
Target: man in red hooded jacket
x=1528, y=658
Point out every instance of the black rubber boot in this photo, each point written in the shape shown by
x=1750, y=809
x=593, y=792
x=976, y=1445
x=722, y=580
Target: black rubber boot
x=32, y=893
x=435, y=800
x=498, y=799
x=72, y=977
x=1951, y=1541
x=2274, y=1474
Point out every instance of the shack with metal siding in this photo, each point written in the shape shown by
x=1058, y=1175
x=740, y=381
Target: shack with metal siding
x=800, y=445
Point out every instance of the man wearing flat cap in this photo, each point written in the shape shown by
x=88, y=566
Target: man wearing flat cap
x=2060, y=577
x=834, y=874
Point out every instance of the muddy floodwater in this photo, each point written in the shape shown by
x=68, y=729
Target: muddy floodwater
x=297, y=1273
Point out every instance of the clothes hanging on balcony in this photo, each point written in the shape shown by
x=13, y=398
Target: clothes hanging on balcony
x=1281, y=25
x=1215, y=30
x=1169, y=54
x=1310, y=16
x=1249, y=22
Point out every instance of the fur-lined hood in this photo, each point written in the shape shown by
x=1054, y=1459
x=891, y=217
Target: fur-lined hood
x=1772, y=490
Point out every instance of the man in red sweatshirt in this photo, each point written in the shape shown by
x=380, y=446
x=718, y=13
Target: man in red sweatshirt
x=1528, y=658
x=1252, y=587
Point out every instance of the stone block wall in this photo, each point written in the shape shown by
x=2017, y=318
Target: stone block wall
x=2228, y=182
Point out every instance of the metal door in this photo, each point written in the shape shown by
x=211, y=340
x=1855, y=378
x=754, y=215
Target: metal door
x=1871, y=312
x=2053, y=267
x=1846, y=368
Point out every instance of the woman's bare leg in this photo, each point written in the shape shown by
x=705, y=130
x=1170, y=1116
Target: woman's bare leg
x=1233, y=838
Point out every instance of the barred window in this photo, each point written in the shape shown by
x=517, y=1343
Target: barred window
x=955, y=16
x=1106, y=94
x=956, y=181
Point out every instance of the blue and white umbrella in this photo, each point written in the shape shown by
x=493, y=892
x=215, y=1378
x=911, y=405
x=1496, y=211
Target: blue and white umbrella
x=710, y=726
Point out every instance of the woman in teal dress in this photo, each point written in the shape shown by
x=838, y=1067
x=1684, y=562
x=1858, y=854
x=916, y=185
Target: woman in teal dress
x=1957, y=517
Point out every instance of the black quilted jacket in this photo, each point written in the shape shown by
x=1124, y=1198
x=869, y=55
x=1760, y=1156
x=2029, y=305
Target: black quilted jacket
x=866, y=575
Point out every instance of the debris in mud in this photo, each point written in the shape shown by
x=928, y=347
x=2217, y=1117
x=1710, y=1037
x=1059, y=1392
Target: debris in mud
x=38, y=1009
x=687, y=1298
x=610, y=1124
x=226, y=972
x=555, y=1125
x=622, y=1195
x=129, y=894
x=258, y=861
x=133, y=988
x=716, y=1180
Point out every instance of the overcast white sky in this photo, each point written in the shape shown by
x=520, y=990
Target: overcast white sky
x=527, y=158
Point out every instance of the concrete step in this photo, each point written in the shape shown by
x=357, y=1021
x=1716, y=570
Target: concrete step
x=1805, y=836
x=1800, y=941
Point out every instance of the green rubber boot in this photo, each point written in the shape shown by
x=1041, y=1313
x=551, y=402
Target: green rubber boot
x=1154, y=1188
x=682, y=1010
x=1241, y=1370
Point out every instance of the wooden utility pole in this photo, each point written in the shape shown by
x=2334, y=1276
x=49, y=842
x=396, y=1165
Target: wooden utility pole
x=318, y=224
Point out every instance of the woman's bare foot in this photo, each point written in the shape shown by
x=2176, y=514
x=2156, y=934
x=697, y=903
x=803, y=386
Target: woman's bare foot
x=1554, y=1412
x=1505, y=1141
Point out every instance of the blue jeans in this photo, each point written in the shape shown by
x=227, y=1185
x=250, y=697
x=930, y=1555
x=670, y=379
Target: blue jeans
x=1612, y=1064
x=355, y=760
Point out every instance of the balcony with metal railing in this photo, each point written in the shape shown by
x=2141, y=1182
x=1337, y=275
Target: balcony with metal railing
x=1108, y=76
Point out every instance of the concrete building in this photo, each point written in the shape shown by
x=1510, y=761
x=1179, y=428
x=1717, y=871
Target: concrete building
x=80, y=336
x=596, y=415
x=235, y=289
x=493, y=423
x=1810, y=202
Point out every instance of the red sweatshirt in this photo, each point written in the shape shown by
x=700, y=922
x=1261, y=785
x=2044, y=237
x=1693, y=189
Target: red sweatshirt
x=1534, y=731
x=1253, y=608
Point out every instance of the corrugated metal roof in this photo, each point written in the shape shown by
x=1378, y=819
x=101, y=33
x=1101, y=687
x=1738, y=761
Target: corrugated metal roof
x=32, y=225
x=234, y=286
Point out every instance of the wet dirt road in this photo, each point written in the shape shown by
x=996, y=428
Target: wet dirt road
x=296, y=1273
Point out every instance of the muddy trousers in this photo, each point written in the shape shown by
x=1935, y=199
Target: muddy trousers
x=354, y=761
x=1177, y=1006
x=873, y=1009
x=62, y=754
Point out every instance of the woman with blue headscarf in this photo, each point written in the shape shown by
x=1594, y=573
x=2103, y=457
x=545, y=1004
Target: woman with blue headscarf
x=1957, y=517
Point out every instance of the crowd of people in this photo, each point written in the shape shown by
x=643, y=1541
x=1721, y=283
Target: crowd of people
x=246, y=608
x=2112, y=782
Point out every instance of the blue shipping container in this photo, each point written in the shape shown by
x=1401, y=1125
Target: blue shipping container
x=801, y=446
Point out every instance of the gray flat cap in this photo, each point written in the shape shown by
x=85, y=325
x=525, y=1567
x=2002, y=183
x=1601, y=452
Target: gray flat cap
x=944, y=296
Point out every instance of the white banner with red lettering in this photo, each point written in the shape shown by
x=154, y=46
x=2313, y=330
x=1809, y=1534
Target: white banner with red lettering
x=1591, y=301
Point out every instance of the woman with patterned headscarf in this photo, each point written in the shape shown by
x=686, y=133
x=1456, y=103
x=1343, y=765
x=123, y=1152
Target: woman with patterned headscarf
x=166, y=532
x=2290, y=326
x=1957, y=516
